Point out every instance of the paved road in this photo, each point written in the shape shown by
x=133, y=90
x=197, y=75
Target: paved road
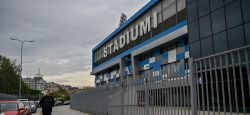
x=61, y=110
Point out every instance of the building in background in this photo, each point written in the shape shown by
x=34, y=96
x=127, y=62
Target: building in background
x=37, y=83
x=30, y=82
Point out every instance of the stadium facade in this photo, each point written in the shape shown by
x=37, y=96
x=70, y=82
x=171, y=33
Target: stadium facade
x=165, y=33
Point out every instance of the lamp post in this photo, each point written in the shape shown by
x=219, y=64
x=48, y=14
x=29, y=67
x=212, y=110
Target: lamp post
x=20, y=80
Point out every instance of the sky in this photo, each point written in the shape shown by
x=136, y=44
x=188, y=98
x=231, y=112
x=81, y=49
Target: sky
x=64, y=31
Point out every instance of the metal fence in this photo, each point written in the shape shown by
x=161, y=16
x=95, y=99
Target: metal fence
x=214, y=85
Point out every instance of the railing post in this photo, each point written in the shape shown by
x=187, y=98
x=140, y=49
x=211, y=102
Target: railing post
x=122, y=105
x=193, y=82
x=107, y=102
x=146, y=97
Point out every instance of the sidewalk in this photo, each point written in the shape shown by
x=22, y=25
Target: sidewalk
x=61, y=110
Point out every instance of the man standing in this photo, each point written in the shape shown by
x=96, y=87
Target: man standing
x=47, y=102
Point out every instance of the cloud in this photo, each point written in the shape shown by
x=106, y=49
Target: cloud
x=78, y=79
x=64, y=31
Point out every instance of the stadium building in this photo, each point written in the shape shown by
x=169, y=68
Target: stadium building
x=164, y=33
x=174, y=56
x=154, y=36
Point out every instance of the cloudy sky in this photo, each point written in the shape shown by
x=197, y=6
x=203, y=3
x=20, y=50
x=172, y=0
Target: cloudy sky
x=64, y=31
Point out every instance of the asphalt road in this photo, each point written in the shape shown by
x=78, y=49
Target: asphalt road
x=61, y=110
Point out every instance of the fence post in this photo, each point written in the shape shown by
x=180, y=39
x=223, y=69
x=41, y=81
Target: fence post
x=122, y=105
x=193, y=82
x=146, y=97
x=108, y=106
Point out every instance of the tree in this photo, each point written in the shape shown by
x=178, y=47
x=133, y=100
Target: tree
x=62, y=94
x=10, y=74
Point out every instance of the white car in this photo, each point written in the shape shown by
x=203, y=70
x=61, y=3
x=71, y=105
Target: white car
x=32, y=106
x=27, y=105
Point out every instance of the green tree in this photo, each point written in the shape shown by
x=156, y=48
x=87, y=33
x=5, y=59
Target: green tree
x=62, y=94
x=10, y=74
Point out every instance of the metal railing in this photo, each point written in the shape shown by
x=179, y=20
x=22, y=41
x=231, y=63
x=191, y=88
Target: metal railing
x=223, y=83
x=213, y=85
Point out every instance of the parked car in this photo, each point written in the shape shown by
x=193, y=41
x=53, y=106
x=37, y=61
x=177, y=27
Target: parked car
x=27, y=105
x=37, y=104
x=32, y=106
x=23, y=99
x=66, y=102
x=58, y=103
x=12, y=108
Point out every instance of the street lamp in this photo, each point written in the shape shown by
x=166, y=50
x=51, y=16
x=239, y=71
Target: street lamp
x=20, y=80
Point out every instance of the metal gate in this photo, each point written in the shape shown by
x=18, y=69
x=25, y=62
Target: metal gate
x=223, y=83
x=214, y=85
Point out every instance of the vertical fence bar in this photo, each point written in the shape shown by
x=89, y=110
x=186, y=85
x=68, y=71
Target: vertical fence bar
x=207, y=93
x=138, y=97
x=241, y=83
x=157, y=96
x=228, y=84
x=169, y=91
x=217, y=86
x=133, y=98
x=197, y=86
x=189, y=89
x=202, y=86
x=211, y=83
x=161, y=91
x=177, y=89
x=235, y=84
x=222, y=82
x=193, y=88
x=185, y=91
x=248, y=74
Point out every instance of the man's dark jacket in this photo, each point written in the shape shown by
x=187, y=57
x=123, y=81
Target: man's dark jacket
x=47, y=102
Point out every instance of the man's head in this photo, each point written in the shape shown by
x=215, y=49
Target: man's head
x=48, y=92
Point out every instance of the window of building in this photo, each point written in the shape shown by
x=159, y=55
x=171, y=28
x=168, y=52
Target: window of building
x=195, y=50
x=203, y=7
x=173, y=68
x=235, y=37
x=207, y=46
x=205, y=26
x=169, y=14
x=218, y=20
x=181, y=11
x=157, y=8
x=220, y=42
x=191, y=10
x=247, y=32
x=215, y=4
x=233, y=14
x=95, y=56
x=169, y=8
x=98, y=55
x=181, y=4
x=246, y=10
x=193, y=31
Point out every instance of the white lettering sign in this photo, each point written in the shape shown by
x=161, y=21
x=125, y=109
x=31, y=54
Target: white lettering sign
x=131, y=35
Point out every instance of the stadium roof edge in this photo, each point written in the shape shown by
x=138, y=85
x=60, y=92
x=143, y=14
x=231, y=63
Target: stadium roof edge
x=129, y=21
